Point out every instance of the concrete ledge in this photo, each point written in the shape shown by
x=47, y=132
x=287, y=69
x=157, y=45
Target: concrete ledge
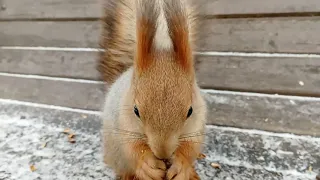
x=243, y=154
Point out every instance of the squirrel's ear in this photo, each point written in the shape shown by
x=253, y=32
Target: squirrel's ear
x=177, y=20
x=147, y=15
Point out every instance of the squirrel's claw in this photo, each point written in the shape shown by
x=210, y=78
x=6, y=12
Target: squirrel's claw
x=150, y=168
x=181, y=169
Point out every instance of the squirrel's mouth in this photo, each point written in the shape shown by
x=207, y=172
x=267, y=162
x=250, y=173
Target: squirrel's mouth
x=162, y=146
x=163, y=154
x=163, y=151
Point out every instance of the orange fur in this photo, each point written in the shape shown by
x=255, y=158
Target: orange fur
x=115, y=41
x=146, y=29
x=182, y=163
x=126, y=177
x=179, y=32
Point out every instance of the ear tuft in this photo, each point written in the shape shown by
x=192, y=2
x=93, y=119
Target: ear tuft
x=177, y=19
x=147, y=15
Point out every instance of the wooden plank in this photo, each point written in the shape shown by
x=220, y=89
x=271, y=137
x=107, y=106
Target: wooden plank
x=294, y=76
x=61, y=93
x=50, y=33
x=76, y=64
x=33, y=9
x=271, y=113
x=256, y=34
x=230, y=7
x=285, y=114
x=291, y=35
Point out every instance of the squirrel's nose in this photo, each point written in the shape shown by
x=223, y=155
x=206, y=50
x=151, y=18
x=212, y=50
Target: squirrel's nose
x=163, y=152
x=163, y=148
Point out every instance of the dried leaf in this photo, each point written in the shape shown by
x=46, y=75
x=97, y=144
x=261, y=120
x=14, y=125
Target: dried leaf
x=71, y=136
x=201, y=156
x=67, y=131
x=71, y=140
x=84, y=116
x=215, y=165
x=44, y=144
x=33, y=168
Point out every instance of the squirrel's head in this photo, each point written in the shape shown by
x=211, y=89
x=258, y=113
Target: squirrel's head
x=163, y=102
x=164, y=80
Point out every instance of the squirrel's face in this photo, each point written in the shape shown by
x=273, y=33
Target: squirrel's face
x=163, y=102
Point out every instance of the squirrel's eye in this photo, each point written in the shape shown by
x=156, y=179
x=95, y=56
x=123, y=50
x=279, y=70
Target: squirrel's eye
x=136, y=111
x=190, y=112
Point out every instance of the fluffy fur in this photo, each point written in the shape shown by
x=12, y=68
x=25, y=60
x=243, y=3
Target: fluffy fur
x=148, y=65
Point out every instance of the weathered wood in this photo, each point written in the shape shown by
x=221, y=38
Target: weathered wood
x=50, y=33
x=265, y=35
x=230, y=7
x=264, y=112
x=294, y=76
x=61, y=93
x=76, y=64
x=33, y=9
x=298, y=76
x=285, y=114
x=291, y=35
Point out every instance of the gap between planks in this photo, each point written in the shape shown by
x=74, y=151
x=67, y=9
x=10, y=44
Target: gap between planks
x=202, y=16
x=209, y=53
x=50, y=19
x=48, y=106
x=261, y=15
x=28, y=76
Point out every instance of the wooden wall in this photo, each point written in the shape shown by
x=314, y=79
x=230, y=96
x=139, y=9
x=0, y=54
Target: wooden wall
x=256, y=46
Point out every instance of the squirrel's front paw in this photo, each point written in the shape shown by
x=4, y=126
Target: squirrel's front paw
x=150, y=168
x=181, y=169
x=194, y=175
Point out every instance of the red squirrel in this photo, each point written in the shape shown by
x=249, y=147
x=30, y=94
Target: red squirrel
x=154, y=115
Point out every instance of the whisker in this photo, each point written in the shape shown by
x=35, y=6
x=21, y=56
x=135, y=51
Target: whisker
x=124, y=132
x=194, y=142
x=129, y=138
x=122, y=143
x=195, y=134
x=126, y=141
x=192, y=133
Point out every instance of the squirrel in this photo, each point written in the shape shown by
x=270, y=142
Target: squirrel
x=153, y=115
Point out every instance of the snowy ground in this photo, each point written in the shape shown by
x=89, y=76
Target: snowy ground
x=243, y=154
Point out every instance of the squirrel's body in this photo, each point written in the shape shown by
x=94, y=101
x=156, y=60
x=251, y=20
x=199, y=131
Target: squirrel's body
x=153, y=109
